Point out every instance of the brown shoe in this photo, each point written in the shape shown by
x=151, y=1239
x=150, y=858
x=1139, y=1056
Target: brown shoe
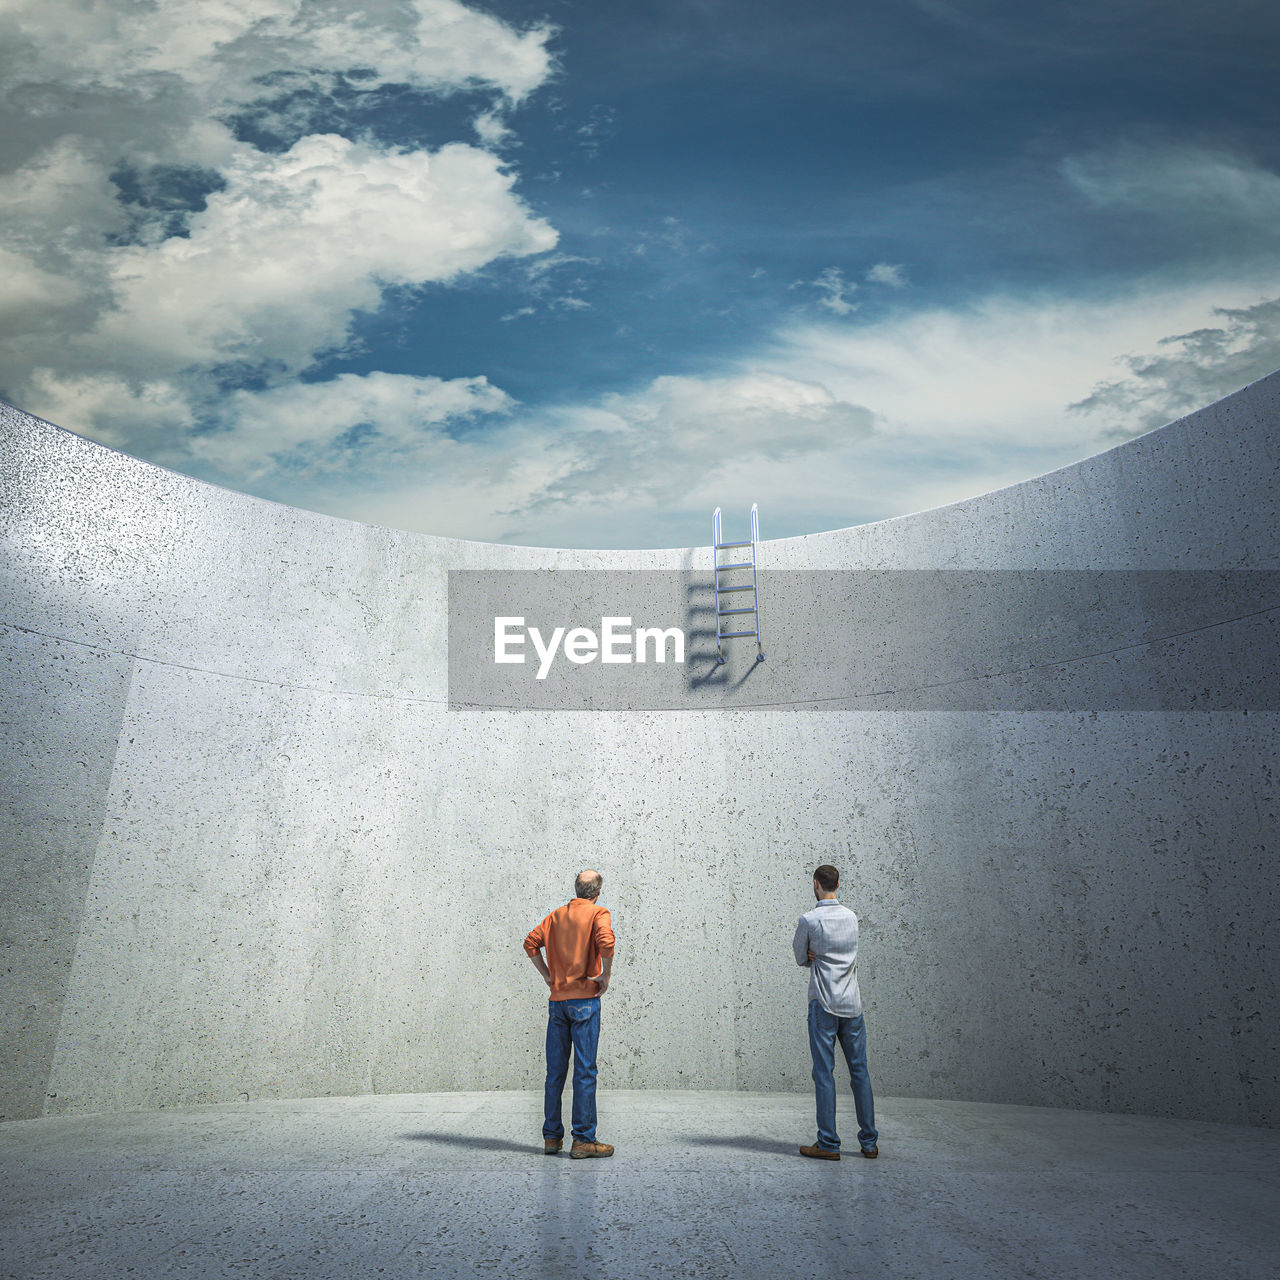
x=871, y=1152
x=551, y=1146
x=819, y=1153
x=588, y=1150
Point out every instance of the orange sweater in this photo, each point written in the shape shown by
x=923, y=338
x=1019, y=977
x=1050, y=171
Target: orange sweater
x=575, y=936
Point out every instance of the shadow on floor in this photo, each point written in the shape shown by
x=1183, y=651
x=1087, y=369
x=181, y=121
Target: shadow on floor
x=476, y=1143
x=769, y=1146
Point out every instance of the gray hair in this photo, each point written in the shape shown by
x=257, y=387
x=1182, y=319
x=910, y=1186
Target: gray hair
x=588, y=888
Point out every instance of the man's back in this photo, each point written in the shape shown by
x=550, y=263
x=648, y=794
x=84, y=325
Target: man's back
x=576, y=937
x=830, y=931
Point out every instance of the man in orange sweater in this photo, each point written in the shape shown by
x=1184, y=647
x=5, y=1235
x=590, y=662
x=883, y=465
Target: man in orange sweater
x=579, y=946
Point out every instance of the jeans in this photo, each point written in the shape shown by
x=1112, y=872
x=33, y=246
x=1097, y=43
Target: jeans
x=824, y=1030
x=573, y=1023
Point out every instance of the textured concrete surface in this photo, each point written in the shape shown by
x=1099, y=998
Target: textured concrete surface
x=702, y=1184
x=252, y=853
x=55, y=770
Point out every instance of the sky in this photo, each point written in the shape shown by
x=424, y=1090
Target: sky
x=576, y=272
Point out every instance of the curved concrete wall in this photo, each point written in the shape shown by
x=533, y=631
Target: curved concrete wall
x=250, y=851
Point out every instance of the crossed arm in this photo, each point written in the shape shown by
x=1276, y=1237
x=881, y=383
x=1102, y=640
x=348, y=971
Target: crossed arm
x=802, y=940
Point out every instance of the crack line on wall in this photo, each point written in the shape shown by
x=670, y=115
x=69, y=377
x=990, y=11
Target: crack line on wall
x=793, y=702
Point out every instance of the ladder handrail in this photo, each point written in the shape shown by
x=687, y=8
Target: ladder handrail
x=717, y=545
x=755, y=592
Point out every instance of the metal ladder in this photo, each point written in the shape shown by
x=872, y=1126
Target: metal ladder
x=718, y=545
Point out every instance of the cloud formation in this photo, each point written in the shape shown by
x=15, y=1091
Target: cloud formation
x=834, y=291
x=658, y=445
x=373, y=423
x=1180, y=182
x=1189, y=370
x=202, y=208
x=653, y=458
x=834, y=424
x=890, y=273
x=221, y=52
x=175, y=260
x=277, y=262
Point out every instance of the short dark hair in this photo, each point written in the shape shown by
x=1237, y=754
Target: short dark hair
x=827, y=877
x=588, y=888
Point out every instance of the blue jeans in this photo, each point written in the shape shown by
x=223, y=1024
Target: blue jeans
x=576, y=1024
x=824, y=1030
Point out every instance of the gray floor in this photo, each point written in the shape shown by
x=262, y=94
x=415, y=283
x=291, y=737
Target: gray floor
x=703, y=1184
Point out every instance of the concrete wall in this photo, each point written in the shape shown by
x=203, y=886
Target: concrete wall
x=249, y=851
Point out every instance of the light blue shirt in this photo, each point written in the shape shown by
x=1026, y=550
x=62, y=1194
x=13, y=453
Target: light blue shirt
x=830, y=931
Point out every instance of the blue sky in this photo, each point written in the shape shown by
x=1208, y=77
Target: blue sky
x=574, y=273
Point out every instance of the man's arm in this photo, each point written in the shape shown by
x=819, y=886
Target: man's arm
x=602, y=932
x=533, y=949
x=541, y=965
x=800, y=944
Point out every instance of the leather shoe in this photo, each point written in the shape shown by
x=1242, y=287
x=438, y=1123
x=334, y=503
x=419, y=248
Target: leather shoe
x=551, y=1146
x=870, y=1152
x=589, y=1150
x=819, y=1153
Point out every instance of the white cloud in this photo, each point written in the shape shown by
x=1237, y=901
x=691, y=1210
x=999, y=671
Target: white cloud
x=56, y=216
x=1003, y=369
x=568, y=475
x=30, y=290
x=556, y=282
x=661, y=443
x=1190, y=370
x=366, y=423
x=975, y=398
x=220, y=49
x=279, y=260
x=831, y=426
x=837, y=424
x=648, y=460
x=894, y=275
x=835, y=291
x=150, y=417
x=121, y=320
x=60, y=204
x=153, y=305
x=270, y=276
x=1179, y=181
x=492, y=130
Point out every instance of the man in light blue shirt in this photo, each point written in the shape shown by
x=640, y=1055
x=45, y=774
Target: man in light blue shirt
x=826, y=942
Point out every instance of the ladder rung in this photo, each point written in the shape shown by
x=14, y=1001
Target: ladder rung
x=732, y=635
x=740, y=564
x=724, y=546
x=724, y=613
x=724, y=591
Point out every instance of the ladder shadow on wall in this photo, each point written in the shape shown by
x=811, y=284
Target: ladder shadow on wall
x=703, y=667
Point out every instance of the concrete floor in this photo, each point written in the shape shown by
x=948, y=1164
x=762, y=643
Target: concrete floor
x=703, y=1184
